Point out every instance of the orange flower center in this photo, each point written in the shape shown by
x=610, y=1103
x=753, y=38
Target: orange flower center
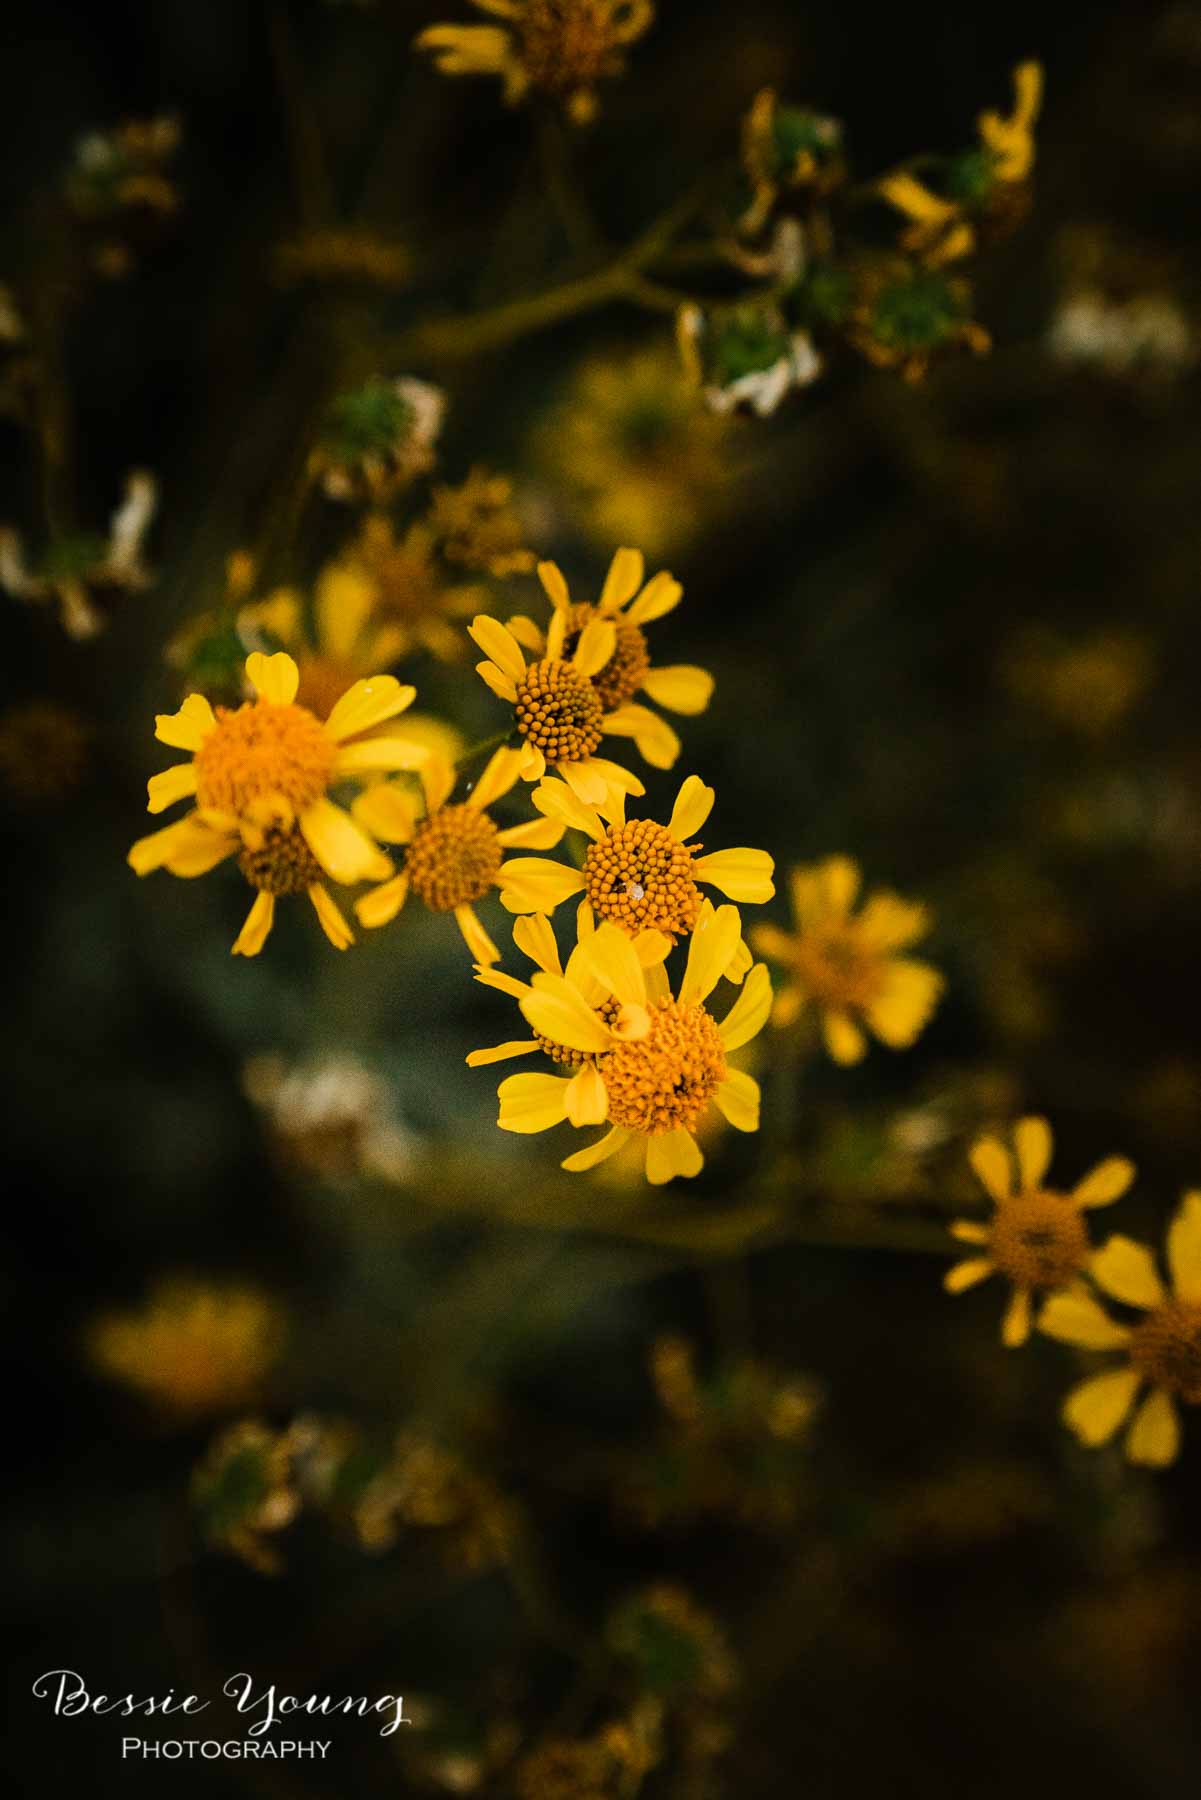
x=559, y=712
x=453, y=858
x=260, y=751
x=629, y=664
x=569, y=44
x=666, y=1079
x=837, y=967
x=564, y=1054
x=1166, y=1348
x=1039, y=1239
x=281, y=864
x=639, y=875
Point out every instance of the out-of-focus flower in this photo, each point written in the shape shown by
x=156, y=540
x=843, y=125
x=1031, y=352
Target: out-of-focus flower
x=905, y=316
x=562, y=48
x=845, y=964
x=610, y=1765
x=377, y=438
x=1163, y=1348
x=637, y=874
x=425, y=1487
x=476, y=525
x=784, y=149
x=677, y=1650
x=645, y=462
x=119, y=185
x=746, y=356
x=210, y=651
x=260, y=776
x=43, y=751
x=347, y=257
x=331, y=1118
x=627, y=603
x=982, y=188
x=650, y=1064
x=1037, y=1238
x=193, y=1348
x=406, y=590
x=85, y=574
x=243, y=1491
x=1148, y=334
x=1089, y=686
x=453, y=853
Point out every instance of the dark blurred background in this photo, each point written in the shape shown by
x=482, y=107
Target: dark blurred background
x=891, y=591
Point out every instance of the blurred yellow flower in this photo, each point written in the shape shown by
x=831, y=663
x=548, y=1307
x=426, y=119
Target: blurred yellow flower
x=1037, y=1237
x=475, y=524
x=411, y=596
x=453, y=853
x=637, y=874
x=260, y=775
x=193, y=1348
x=645, y=461
x=557, y=47
x=1163, y=1347
x=1089, y=685
x=649, y=1063
x=845, y=964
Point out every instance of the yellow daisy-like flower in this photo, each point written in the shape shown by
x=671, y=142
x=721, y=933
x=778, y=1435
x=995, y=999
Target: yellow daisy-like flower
x=1037, y=1237
x=454, y=853
x=647, y=1062
x=195, y=1347
x=1163, y=1347
x=846, y=965
x=637, y=874
x=557, y=47
x=345, y=642
x=260, y=775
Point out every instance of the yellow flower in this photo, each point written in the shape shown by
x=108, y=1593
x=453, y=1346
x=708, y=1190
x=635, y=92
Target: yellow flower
x=475, y=524
x=454, y=852
x=1037, y=1236
x=647, y=1062
x=195, y=1347
x=260, y=775
x=1163, y=1347
x=558, y=47
x=639, y=458
x=637, y=874
x=845, y=964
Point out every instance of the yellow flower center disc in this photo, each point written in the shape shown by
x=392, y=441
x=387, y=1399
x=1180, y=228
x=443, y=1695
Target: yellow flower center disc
x=559, y=712
x=261, y=750
x=453, y=858
x=1167, y=1349
x=1039, y=1239
x=666, y=1079
x=638, y=875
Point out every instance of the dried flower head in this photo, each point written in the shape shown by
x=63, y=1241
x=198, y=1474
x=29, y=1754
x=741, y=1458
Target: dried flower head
x=561, y=48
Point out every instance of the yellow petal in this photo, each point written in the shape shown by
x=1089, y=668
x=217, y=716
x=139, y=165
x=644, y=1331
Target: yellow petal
x=968, y=1231
x=530, y=636
x=661, y=593
x=535, y=884
x=383, y=754
x=1154, y=1437
x=1104, y=1184
x=605, y=1147
x=656, y=741
x=840, y=878
x=343, y=849
x=551, y=577
x=672, y=1153
x=908, y=995
x=1033, y=1142
x=505, y=984
x=586, y=780
x=535, y=834
x=500, y=684
x=274, y=678
x=382, y=904
x=498, y=644
x=613, y=961
x=788, y=1006
x=1096, y=1408
x=587, y=1100
x=694, y=803
x=597, y=642
x=990, y=1160
x=188, y=728
x=680, y=687
x=807, y=891
x=713, y=942
x=966, y=1274
x=188, y=847
x=750, y=1012
x=330, y=914
x=623, y=580
x=170, y=785
x=1073, y=1316
x=556, y=800
x=742, y=875
x=557, y=1011
x=770, y=941
x=1127, y=1271
x=887, y=922
x=482, y=948
x=1184, y=1249
x=631, y=1024
x=535, y=938
x=386, y=811
x=737, y=1100
x=478, y=1059
x=1015, y=1327
x=257, y=928
x=342, y=605
x=652, y=947
x=844, y=1040
x=368, y=703
x=437, y=777
x=532, y=1102
x=498, y=775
